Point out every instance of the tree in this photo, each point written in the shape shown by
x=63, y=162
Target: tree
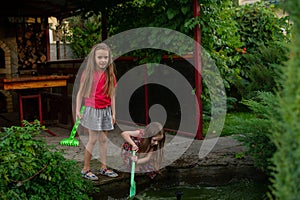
x=286, y=127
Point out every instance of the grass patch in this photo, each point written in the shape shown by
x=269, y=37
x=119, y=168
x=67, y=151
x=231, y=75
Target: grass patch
x=235, y=123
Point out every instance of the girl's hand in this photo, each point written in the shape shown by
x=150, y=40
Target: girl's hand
x=134, y=158
x=78, y=115
x=135, y=148
x=113, y=119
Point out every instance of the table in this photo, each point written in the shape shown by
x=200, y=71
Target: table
x=21, y=83
x=30, y=82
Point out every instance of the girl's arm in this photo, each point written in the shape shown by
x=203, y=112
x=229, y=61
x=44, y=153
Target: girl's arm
x=126, y=136
x=79, y=102
x=144, y=159
x=113, y=102
x=113, y=108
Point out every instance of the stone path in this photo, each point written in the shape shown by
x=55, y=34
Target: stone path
x=175, y=145
x=180, y=153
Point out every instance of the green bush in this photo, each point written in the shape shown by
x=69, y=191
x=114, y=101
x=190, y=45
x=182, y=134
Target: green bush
x=286, y=126
x=260, y=69
x=260, y=23
x=265, y=36
x=83, y=32
x=32, y=169
x=257, y=136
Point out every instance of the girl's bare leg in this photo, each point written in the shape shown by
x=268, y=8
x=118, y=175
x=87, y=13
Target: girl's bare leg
x=89, y=150
x=103, y=154
x=103, y=148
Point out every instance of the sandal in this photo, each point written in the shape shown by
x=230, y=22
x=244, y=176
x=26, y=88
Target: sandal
x=89, y=175
x=109, y=173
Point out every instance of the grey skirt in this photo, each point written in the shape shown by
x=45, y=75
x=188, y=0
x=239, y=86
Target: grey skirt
x=97, y=119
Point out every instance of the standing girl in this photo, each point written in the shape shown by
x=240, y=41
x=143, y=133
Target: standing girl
x=97, y=92
x=148, y=144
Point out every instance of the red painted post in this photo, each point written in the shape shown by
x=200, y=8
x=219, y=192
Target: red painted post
x=146, y=96
x=21, y=109
x=198, y=72
x=40, y=107
x=38, y=96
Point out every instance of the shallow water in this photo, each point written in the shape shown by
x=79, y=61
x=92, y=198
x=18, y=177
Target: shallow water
x=243, y=190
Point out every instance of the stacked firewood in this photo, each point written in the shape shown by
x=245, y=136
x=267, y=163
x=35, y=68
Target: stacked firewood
x=31, y=48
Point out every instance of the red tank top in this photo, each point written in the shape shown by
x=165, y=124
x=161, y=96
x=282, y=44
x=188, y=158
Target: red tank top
x=98, y=97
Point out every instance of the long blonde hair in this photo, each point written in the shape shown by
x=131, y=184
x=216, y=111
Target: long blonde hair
x=90, y=69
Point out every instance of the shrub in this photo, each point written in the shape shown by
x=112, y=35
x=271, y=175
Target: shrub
x=260, y=23
x=32, y=169
x=257, y=139
x=260, y=69
x=286, y=127
x=265, y=36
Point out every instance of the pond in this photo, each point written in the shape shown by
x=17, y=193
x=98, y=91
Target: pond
x=243, y=190
x=252, y=186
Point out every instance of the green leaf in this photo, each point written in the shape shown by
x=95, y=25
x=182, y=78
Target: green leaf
x=171, y=13
x=185, y=9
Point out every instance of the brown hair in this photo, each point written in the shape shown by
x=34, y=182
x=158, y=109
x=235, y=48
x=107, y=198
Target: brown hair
x=90, y=68
x=153, y=129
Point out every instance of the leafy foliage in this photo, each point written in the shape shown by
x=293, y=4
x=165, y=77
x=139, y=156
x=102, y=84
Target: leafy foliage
x=261, y=22
x=31, y=169
x=83, y=32
x=219, y=36
x=257, y=137
x=260, y=70
x=286, y=127
x=224, y=28
x=265, y=33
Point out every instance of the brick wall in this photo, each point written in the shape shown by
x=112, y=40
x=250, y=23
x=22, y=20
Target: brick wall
x=7, y=70
x=7, y=58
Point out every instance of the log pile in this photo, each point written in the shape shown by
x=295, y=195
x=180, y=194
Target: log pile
x=31, y=47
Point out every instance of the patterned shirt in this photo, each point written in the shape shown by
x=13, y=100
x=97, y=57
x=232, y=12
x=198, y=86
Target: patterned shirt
x=126, y=154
